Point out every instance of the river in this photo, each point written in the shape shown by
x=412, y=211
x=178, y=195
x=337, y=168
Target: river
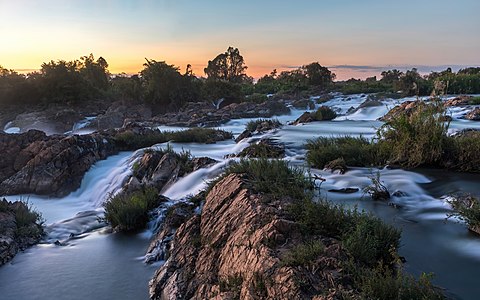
x=93, y=263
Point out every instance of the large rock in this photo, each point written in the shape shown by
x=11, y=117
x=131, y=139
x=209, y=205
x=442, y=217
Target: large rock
x=474, y=115
x=233, y=250
x=16, y=234
x=458, y=101
x=118, y=113
x=51, y=121
x=35, y=163
x=406, y=108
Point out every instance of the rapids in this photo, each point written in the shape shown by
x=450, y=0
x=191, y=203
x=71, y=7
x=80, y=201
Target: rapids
x=90, y=262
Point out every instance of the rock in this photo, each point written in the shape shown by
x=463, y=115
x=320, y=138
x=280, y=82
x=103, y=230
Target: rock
x=160, y=169
x=16, y=235
x=233, y=250
x=35, y=163
x=406, y=108
x=245, y=134
x=474, y=115
x=51, y=121
x=323, y=113
x=370, y=103
x=337, y=164
x=303, y=104
x=344, y=190
x=118, y=113
x=458, y=101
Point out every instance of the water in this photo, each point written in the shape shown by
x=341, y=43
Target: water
x=96, y=264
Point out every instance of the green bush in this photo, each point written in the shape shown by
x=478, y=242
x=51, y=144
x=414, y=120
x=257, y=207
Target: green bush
x=257, y=125
x=382, y=283
x=256, y=98
x=128, y=212
x=262, y=149
x=271, y=177
x=462, y=152
x=416, y=139
x=355, y=151
x=371, y=240
x=474, y=101
x=303, y=254
x=324, y=113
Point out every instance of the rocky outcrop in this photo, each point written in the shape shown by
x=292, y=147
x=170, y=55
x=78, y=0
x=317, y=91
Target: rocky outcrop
x=19, y=229
x=406, y=108
x=35, y=163
x=264, y=148
x=323, y=113
x=257, y=127
x=234, y=250
x=160, y=169
x=207, y=115
x=119, y=113
x=473, y=115
x=51, y=121
x=458, y=101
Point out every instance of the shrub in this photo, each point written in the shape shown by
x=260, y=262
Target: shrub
x=256, y=98
x=383, y=283
x=355, y=151
x=263, y=149
x=371, y=240
x=271, y=177
x=418, y=138
x=324, y=113
x=462, y=152
x=303, y=254
x=377, y=190
x=474, y=101
x=128, y=212
x=29, y=221
x=262, y=125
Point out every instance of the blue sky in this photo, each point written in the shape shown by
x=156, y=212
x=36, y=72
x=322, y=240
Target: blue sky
x=270, y=34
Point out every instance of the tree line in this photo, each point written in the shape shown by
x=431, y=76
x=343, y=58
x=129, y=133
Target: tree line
x=166, y=88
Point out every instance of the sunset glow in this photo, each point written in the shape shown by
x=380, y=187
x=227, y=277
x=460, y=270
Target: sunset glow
x=270, y=34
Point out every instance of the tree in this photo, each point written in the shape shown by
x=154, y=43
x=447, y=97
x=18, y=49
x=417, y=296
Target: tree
x=318, y=75
x=229, y=66
x=391, y=76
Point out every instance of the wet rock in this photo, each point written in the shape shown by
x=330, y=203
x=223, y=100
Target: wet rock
x=306, y=117
x=344, y=190
x=303, y=104
x=245, y=134
x=473, y=115
x=323, y=113
x=45, y=165
x=118, y=113
x=51, y=121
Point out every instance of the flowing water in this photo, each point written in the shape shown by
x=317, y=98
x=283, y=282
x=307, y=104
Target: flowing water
x=89, y=262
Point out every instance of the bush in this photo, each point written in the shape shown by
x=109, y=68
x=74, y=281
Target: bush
x=474, y=101
x=462, y=152
x=265, y=124
x=416, y=139
x=377, y=190
x=324, y=113
x=128, y=212
x=355, y=151
x=382, y=283
x=29, y=221
x=263, y=149
x=371, y=240
x=256, y=98
x=303, y=254
x=271, y=177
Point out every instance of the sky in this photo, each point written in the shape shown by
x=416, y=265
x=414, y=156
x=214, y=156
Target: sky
x=354, y=38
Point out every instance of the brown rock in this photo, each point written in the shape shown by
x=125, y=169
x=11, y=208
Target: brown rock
x=474, y=115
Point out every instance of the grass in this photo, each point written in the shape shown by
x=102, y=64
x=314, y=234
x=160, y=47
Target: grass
x=382, y=283
x=474, y=101
x=416, y=139
x=303, y=254
x=355, y=151
x=258, y=125
x=29, y=221
x=271, y=177
x=129, y=140
x=129, y=212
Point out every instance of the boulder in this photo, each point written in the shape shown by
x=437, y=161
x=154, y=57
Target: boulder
x=458, y=101
x=473, y=115
x=48, y=165
x=233, y=250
